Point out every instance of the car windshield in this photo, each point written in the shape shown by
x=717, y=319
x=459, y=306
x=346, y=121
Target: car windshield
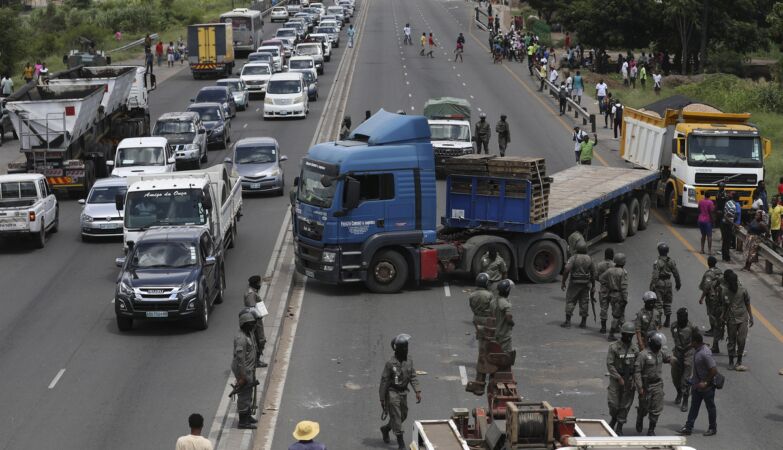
x=18, y=189
x=256, y=154
x=286, y=33
x=256, y=70
x=313, y=192
x=140, y=156
x=284, y=87
x=738, y=151
x=443, y=132
x=211, y=95
x=164, y=207
x=233, y=85
x=259, y=57
x=335, y=10
x=163, y=255
x=300, y=64
x=273, y=50
x=326, y=30
x=309, y=77
x=106, y=194
x=173, y=127
x=307, y=50
x=207, y=113
x=279, y=10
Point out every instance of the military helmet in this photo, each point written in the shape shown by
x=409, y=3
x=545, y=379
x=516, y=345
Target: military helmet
x=649, y=296
x=401, y=340
x=245, y=317
x=482, y=280
x=655, y=340
x=504, y=287
x=663, y=248
x=619, y=259
x=581, y=247
x=628, y=328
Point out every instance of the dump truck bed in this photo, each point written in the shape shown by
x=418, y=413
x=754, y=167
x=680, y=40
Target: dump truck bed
x=117, y=82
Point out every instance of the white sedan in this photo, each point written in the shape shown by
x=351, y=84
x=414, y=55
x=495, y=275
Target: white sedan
x=279, y=14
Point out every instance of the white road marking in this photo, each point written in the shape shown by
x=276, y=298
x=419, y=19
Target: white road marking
x=112, y=301
x=471, y=97
x=447, y=289
x=244, y=126
x=463, y=375
x=56, y=378
x=410, y=95
x=258, y=109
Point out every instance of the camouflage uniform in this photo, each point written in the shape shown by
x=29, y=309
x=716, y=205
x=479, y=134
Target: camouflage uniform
x=573, y=239
x=616, y=281
x=394, y=391
x=603, y=291
x=647, y=375
x=580, y=281
x=251, y=299
x=682, y=367
x=480, y=301
x=660, y=283
x=709, y=285
x=737, y=318
x=645, y=322
x=496, y=269
x=620, y=362
x=500, y=307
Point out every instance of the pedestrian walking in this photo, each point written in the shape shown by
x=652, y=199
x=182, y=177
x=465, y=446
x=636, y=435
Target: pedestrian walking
x=624, y=72
x=147, y=42
x=504, y=134
x=705, y=220
x=398, y=374
x=531, y=50
x=423, y=41
x=657, y=82
x=562, y=96
x=553, y=76
x=579, y=87
x=148, y=61
x=194, y=440
x=643, y=76
x=620, y=361
x=489, y=9
x=170, y=51
x=243, y=367
x=431, y=45
x=586, y=150
x=761, y=191
x=727, y=226
x=710, y=282
x=579, y=272
x=27, y=73
x=479, y=301
x=603, y=288
x=775, y=214
x=351, y=35
x=495, y=267
x=646, y=320
x=406, y=31
x=182, y=51
x=497, y=24
x=37, y=69
x=600, y=93
x=702, y=386
x=6, y=86
x=616, y=280
x=577, y=236
x=305, y=433
x=632, y=72
x=542, y=74
x=458, y=50
x=253, y=300
x=756, y=229
x=577, y=137
x=159, y=52
x=739, y=317
x=43, y=73
x=608, y=111
x=682, y=333
x=648, y=368
x=617, y=113
x=482, y=134
x=664, y=269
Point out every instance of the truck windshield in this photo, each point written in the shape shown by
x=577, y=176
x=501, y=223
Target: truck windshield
x=106, y=194
x=312, y=192
x=163, y=255
x=443, y=132
x=737, y=151
x=140, y=156
x=13, y=190
x=164, y=207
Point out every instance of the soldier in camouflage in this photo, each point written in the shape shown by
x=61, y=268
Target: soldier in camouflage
x=682, y=330
x=647, y=378
x=709, y=287
x=603, y=292
x=620, y=362
x=484, y=324
x=581, y=271
x=616, y=281
x=398, y=373
x=495, y=266
x=738, y=316
x=664, y=269
x=646, y=319
x=251, y=299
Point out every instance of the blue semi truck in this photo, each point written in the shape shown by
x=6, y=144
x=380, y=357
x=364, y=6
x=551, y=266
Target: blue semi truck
x=365, y=210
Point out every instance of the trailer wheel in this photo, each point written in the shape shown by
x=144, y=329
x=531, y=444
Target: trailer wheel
x=543, y=262
x=644, y=211
x=618, y=222
x=503, y=251
x=633, y=214
x=388, y=272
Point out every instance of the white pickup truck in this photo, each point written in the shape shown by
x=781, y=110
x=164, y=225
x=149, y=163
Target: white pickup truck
x=27, y=207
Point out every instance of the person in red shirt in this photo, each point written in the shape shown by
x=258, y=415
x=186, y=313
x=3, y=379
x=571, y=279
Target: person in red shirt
x=159, y=52
x=432, y=45
x=706, y=217
x=780, y=186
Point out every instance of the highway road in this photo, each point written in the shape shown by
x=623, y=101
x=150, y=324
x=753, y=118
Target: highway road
x=69, y=379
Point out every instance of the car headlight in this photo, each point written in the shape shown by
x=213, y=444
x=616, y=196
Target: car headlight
x=301, y=98
x=191, y=305
x=191, y=147
x=189, y=289
x=86, y=218
x=691, y=195
x=328, y=257
x=274, y=172
x=124, y=289
x=268, y=101
x=218, y=129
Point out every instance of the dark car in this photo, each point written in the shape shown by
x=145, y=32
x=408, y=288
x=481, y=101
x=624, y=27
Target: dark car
x=218, y=94
x=170, y=273
x=214, y=118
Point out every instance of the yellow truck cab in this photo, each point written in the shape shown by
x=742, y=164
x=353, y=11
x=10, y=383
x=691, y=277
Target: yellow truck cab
x=694, y=147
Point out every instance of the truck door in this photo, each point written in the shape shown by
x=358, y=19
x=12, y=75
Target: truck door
x=206, y=45
x=377, y=193
x=207, y=249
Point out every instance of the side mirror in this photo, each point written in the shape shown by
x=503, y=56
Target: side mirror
x=207, y=202
x=202, y=130
x=210, y=260
x=119, y=262
x=228, y=161
x=352, y=187
x=82, y=201
x=192, y=100
x=119, y=202
x=110, y=163
x=296, y=181
x=283, y=158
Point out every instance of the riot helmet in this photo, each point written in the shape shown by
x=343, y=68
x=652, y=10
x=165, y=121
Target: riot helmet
x=504, y=287
x=619, y=260
x=482, y=280
x=663, y=249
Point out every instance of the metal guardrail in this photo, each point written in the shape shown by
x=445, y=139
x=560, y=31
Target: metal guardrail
x=767, y=252
x=571, y=105
x=133, y=44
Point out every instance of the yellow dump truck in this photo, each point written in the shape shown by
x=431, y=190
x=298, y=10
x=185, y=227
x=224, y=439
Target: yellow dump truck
x=211, y=49
x=694, y=147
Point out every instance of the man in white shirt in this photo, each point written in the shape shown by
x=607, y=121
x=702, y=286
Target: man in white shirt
x=657, y=83
x=7, y=86
x=553, y=76
x=407, y=31
x=577, y=137
x=194, y=440
x=624, y=72
x=600, y=93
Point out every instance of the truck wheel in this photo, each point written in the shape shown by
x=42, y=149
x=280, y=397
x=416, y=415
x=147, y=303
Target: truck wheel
x=124, y=323
x=56, y=224
x=233, y=236
x=388, y=272
x=543, y=262
x=221, y=287
x=202, y=321
x=39, y=239
x=644, y=211
x=675, y=213
x=634, y=214
x=475, y=265
x=618, y=222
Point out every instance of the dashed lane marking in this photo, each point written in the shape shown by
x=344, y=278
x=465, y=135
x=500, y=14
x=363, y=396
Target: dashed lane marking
x=463, y=375
x=447, y=289
x=56, y=379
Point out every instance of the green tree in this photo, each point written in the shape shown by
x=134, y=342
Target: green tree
x=606, y=24
x=547, y=8
x=11, y=35
x=684, y=14
x=775, y=21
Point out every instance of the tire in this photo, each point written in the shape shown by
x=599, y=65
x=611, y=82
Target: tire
x=39, y=239
x=85, y=238
x=618, y=222
x=124, y=323
x=644, y=211
x=503, y=251
x=633, y=215
x=233, y=236
x=225, y=143
x=204, y=156
x=387, y=273
x=221, y=288
x=202, y=321
x=543, y=262
x=197, y=164
x=56, y=224
x=676, y=215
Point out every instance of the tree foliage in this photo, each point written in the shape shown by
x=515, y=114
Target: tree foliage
x=11, y=37
x=612, y=23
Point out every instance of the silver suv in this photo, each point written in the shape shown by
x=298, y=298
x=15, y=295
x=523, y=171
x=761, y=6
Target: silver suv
x=186, y=135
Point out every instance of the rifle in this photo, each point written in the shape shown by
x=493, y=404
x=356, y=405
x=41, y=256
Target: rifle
x=592, y=302
x=237, y=387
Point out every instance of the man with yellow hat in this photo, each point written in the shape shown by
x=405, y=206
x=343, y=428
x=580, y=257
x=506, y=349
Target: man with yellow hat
x=304, y=434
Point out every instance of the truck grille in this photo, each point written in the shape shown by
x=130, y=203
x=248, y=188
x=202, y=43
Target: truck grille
x=156, y=294
x=713, y=178
x=310, y=229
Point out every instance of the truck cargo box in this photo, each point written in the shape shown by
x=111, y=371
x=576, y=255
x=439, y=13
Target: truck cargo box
x=117, y=82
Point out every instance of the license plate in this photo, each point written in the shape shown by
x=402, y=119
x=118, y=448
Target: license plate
x=10, y=225
x=109, y=226
x=255, y=185
x=310, y=273
x=283, y=113
x=157, y=313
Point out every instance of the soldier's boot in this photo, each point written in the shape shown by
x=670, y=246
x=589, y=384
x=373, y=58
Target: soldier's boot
x=651, y=429
x=260, y=364
x=613, y=422
x=400, y=442
x=668, y=320
x=583, y=323
x=739, y=364
x=639, y=423
x=619, y=429
x=567, y=323
x=684, y=406
x=385, y=433
x=679, y=398
x=603, y=326
x=476, y=387
x=245, y=423
x=715, y=348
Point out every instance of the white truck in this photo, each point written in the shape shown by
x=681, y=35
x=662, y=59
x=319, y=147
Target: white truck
x=449, y=120
x=210, y=198
x=27, y=207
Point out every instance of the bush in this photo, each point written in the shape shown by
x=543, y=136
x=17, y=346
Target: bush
x=725, y=61
x=541, y=29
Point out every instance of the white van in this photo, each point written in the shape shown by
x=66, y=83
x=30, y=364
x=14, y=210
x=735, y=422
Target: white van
x=142, y=155
x=277, y=55
x=286, y=96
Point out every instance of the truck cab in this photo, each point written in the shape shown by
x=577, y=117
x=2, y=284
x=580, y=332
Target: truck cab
x=449, y=120
x=142, y=155
x=363, y=206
